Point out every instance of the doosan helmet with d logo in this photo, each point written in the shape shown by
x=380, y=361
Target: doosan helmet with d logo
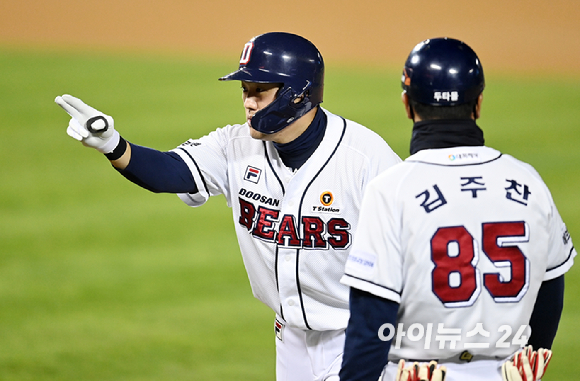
x=443, y=72
x=288, y=59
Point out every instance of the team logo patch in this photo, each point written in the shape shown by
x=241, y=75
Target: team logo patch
x=253, y=174
x=279, y=329
x=247, y=53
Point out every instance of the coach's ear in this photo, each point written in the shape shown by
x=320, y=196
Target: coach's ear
x=477, y=110
x=408, y=109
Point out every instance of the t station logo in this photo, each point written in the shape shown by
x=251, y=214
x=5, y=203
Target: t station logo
x=326, y=199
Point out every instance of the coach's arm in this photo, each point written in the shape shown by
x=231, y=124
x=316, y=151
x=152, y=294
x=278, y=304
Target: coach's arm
x=365, y=354
x=547, y=311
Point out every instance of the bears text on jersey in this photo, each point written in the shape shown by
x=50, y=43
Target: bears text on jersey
x=268, y=225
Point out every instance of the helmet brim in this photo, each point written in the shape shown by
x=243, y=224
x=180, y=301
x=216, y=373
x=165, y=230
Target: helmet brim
x=254, y=75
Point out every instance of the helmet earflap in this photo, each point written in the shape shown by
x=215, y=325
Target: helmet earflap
x=288, y=106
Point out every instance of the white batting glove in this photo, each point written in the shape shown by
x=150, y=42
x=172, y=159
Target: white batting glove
x=423, y=372
x=89, y=126
x=527, y=365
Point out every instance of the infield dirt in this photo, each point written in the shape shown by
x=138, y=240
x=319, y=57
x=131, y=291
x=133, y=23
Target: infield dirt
x=533, y=35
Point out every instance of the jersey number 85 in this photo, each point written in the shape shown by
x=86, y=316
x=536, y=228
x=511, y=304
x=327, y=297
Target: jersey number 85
x=456, y=280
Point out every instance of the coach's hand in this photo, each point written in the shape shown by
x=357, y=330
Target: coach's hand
x=527, y=365
x=420, y=372
x=89, y=126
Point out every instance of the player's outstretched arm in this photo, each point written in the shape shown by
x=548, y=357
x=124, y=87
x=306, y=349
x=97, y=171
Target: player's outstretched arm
x=95, y=129
x=151, y=169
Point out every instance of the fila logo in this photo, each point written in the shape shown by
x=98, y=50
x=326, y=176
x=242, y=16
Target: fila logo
x=252, y=174
x=279, y=329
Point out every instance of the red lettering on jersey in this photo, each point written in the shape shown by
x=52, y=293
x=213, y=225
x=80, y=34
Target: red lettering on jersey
x=455, y=278
x=265, y=227
x=287, y=235
x=507, y=255
x=313, y=230
x=338, y=229
x=460, y=265
x=265, y=224
x=247, y=211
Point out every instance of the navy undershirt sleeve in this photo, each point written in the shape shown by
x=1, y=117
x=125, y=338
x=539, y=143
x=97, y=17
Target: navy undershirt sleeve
x=547, y=311
x=365, y=354
x=159, y=171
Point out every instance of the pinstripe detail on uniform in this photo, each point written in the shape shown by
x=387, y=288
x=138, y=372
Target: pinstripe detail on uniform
x=299, y=218
x=198, y=170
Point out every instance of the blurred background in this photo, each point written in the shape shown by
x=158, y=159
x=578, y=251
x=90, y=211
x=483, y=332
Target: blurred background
x=517, y=35
x=101, y=280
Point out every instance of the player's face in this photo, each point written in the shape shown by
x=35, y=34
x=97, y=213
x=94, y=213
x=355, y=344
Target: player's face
x=256, y=96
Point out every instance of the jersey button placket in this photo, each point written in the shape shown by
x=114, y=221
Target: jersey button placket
x=287, y=286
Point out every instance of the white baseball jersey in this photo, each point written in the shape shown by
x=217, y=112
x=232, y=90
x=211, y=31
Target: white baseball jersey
x=294, y=229
x=462, y=239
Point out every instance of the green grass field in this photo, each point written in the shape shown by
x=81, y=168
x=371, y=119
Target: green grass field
x=101, y=280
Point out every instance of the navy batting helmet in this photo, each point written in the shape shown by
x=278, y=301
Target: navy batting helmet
x=443, y=72
x=285, y=58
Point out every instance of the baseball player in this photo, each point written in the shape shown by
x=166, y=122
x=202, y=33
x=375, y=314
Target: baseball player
x=293, y=174
x=466, y=252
